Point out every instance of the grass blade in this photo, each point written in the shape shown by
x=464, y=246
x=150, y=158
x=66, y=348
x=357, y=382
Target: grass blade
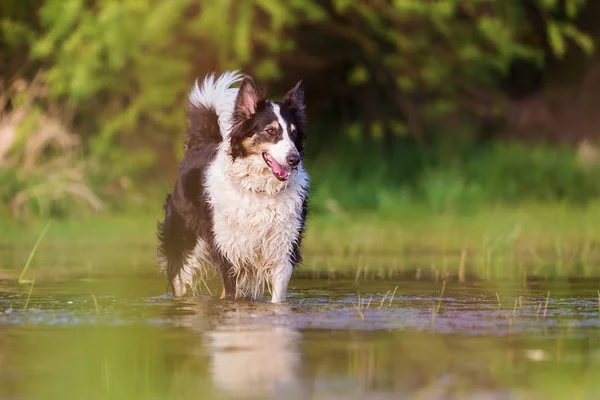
x=388, y=292
x=29, y=295
x=37, y=243
x=392, y=299
x=546, y=305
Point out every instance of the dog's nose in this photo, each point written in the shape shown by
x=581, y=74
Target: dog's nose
x=293, y=159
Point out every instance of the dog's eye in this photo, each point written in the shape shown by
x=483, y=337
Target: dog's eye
x=271, y=131
x=294, y=132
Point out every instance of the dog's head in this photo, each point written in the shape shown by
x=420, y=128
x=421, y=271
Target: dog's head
x=267, y=132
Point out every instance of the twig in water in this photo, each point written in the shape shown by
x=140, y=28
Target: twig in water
x=537, y=314
x=21, y=279
x=546, y=306
x=388, y=292
x=441, y=296
x=436, y=311
x=360, y=314
x=29, y=295
x=390, y=303
x=369, y=303
x=499, y=303
x=520, y=302
x=95, y=304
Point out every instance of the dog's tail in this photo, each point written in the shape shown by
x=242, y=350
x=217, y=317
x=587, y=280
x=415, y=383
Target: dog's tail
x=212, y=101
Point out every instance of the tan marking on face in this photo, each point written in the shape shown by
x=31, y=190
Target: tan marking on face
x=247, y=143
x=259, y=148
x=252, y=148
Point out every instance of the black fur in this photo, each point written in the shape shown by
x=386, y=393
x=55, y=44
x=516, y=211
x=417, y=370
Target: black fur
x=187, y=213
x=297, y=118
x=294, y=104
x=296, y=256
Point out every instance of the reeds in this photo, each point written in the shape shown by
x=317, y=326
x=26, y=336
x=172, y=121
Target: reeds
x=22, y=279
x=435, y=311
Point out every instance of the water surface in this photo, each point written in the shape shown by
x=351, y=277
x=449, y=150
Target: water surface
x=97, y=337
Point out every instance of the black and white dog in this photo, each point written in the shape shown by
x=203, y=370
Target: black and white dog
x=240, y=203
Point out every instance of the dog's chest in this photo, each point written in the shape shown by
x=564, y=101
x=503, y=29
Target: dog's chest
x=253, y=228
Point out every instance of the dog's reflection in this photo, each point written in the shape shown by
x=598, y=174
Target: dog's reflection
x=250, y=350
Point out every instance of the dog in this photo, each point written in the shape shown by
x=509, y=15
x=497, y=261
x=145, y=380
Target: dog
x=239, y=205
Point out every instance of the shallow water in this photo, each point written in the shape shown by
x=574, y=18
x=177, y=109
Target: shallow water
x=121, y=337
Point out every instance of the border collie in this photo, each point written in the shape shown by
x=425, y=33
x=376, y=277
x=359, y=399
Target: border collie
x=240, y=203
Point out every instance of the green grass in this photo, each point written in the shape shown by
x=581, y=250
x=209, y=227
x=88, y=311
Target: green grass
x=26, y=266
x=413, y=226
x=545, y=240
x=355, y=177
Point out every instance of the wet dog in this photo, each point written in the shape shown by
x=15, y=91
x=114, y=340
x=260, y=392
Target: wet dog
x=239, y=205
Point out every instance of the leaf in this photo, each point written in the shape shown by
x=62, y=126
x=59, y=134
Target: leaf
x=583, y=40
x=267, y=69
x=243, y=32
x=572, y=7
x=358, y=75
x=312, y=11
x=549, y=4
x=556, y=39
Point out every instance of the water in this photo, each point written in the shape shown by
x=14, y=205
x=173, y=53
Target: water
x=98, y=337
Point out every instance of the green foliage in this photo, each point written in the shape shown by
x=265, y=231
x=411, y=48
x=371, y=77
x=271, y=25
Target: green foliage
x=351, y=179
x=115, y=74
x=448, y=54
x=513, y=172
x=116, y=50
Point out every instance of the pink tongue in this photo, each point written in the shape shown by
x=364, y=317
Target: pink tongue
x=278, y=169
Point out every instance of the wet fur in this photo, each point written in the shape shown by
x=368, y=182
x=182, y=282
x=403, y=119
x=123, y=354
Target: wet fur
x=228, y=213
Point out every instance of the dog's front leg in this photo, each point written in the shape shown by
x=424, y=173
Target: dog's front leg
x=280, y=281
x=228, y=288
x=228, y=281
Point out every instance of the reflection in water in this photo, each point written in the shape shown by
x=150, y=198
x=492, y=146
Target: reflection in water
x=67, y=344
x=261, y=361
x=247, y=357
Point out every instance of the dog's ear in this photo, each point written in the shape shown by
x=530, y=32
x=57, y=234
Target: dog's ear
x=248, y=98
x=294, y=99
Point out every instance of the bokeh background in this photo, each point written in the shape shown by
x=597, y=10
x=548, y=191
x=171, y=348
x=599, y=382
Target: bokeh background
x=453, y=244
x=466, y=130
x=448, y=104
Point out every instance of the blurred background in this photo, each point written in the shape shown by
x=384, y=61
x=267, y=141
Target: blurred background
x=449, y=105
x=453, y=245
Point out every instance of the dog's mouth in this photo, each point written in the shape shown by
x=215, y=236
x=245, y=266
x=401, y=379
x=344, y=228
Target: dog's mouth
x=280, y=172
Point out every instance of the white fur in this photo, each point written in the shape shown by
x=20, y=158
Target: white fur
x=280, y=279
x=256, y=219
x=280, y=150
x=217, y=95
x=194, y=269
